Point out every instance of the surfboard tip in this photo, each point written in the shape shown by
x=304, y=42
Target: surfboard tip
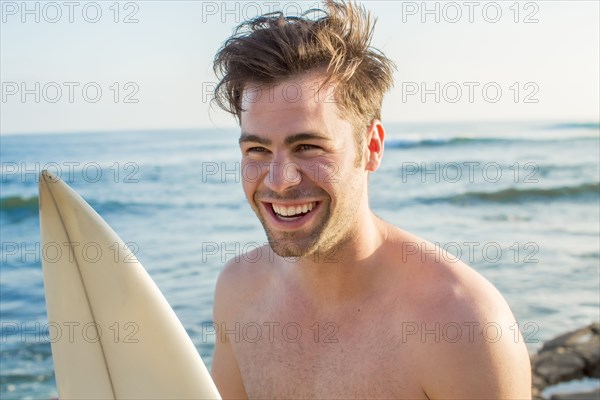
x=47, y=176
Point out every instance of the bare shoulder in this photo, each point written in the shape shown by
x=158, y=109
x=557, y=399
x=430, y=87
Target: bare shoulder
x=447, y=287
x=243, y=278
x=468, y=340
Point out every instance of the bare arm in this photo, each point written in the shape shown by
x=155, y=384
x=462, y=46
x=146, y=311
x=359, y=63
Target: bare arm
x=481, y=370
x=469, y=346
x=488, y=361
x=225, y=370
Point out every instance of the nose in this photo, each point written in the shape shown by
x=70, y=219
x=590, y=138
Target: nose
x=282, y=175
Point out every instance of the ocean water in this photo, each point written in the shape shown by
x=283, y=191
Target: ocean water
x=519, y=202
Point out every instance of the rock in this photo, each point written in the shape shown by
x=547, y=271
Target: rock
x=590, y=352
x=560, y=366
x=537, y=381
x=570, y=339
x=572, y=355
x=594, y=395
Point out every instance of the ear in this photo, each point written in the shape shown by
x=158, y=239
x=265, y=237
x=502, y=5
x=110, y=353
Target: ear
x=374, y=148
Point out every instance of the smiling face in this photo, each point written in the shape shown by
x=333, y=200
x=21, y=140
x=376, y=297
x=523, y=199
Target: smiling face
x=298, y=167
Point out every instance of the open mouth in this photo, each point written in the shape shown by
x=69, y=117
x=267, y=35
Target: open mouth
x=292, y=212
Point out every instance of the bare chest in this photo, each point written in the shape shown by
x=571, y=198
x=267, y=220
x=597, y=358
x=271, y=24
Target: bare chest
x=306, y=356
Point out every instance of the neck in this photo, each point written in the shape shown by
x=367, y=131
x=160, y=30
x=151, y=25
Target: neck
x=347, y=272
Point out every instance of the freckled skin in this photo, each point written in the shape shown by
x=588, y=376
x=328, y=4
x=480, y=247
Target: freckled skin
x=342, y=304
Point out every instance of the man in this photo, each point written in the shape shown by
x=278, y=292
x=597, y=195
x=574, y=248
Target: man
x=341, y=304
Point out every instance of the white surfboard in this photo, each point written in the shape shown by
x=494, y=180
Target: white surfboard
x=113, y=334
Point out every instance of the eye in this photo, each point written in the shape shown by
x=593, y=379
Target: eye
x=307, y=147
x=256, y=150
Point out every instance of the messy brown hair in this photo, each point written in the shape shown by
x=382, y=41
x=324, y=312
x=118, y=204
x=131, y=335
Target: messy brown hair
x=273, y=47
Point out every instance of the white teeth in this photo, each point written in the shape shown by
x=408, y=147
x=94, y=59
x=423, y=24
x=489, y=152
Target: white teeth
x=291, y=211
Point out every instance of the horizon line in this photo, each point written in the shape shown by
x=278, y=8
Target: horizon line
x=589, y=122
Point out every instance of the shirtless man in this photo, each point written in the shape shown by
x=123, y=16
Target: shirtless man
x=340, y=304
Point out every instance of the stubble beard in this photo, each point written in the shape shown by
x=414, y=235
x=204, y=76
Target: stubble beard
x=297, y=244
x=324, y=239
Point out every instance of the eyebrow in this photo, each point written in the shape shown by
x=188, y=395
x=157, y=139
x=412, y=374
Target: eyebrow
x=298, y=137
x=247, y=137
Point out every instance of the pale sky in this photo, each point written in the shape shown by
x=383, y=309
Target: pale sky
x=76, y=69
